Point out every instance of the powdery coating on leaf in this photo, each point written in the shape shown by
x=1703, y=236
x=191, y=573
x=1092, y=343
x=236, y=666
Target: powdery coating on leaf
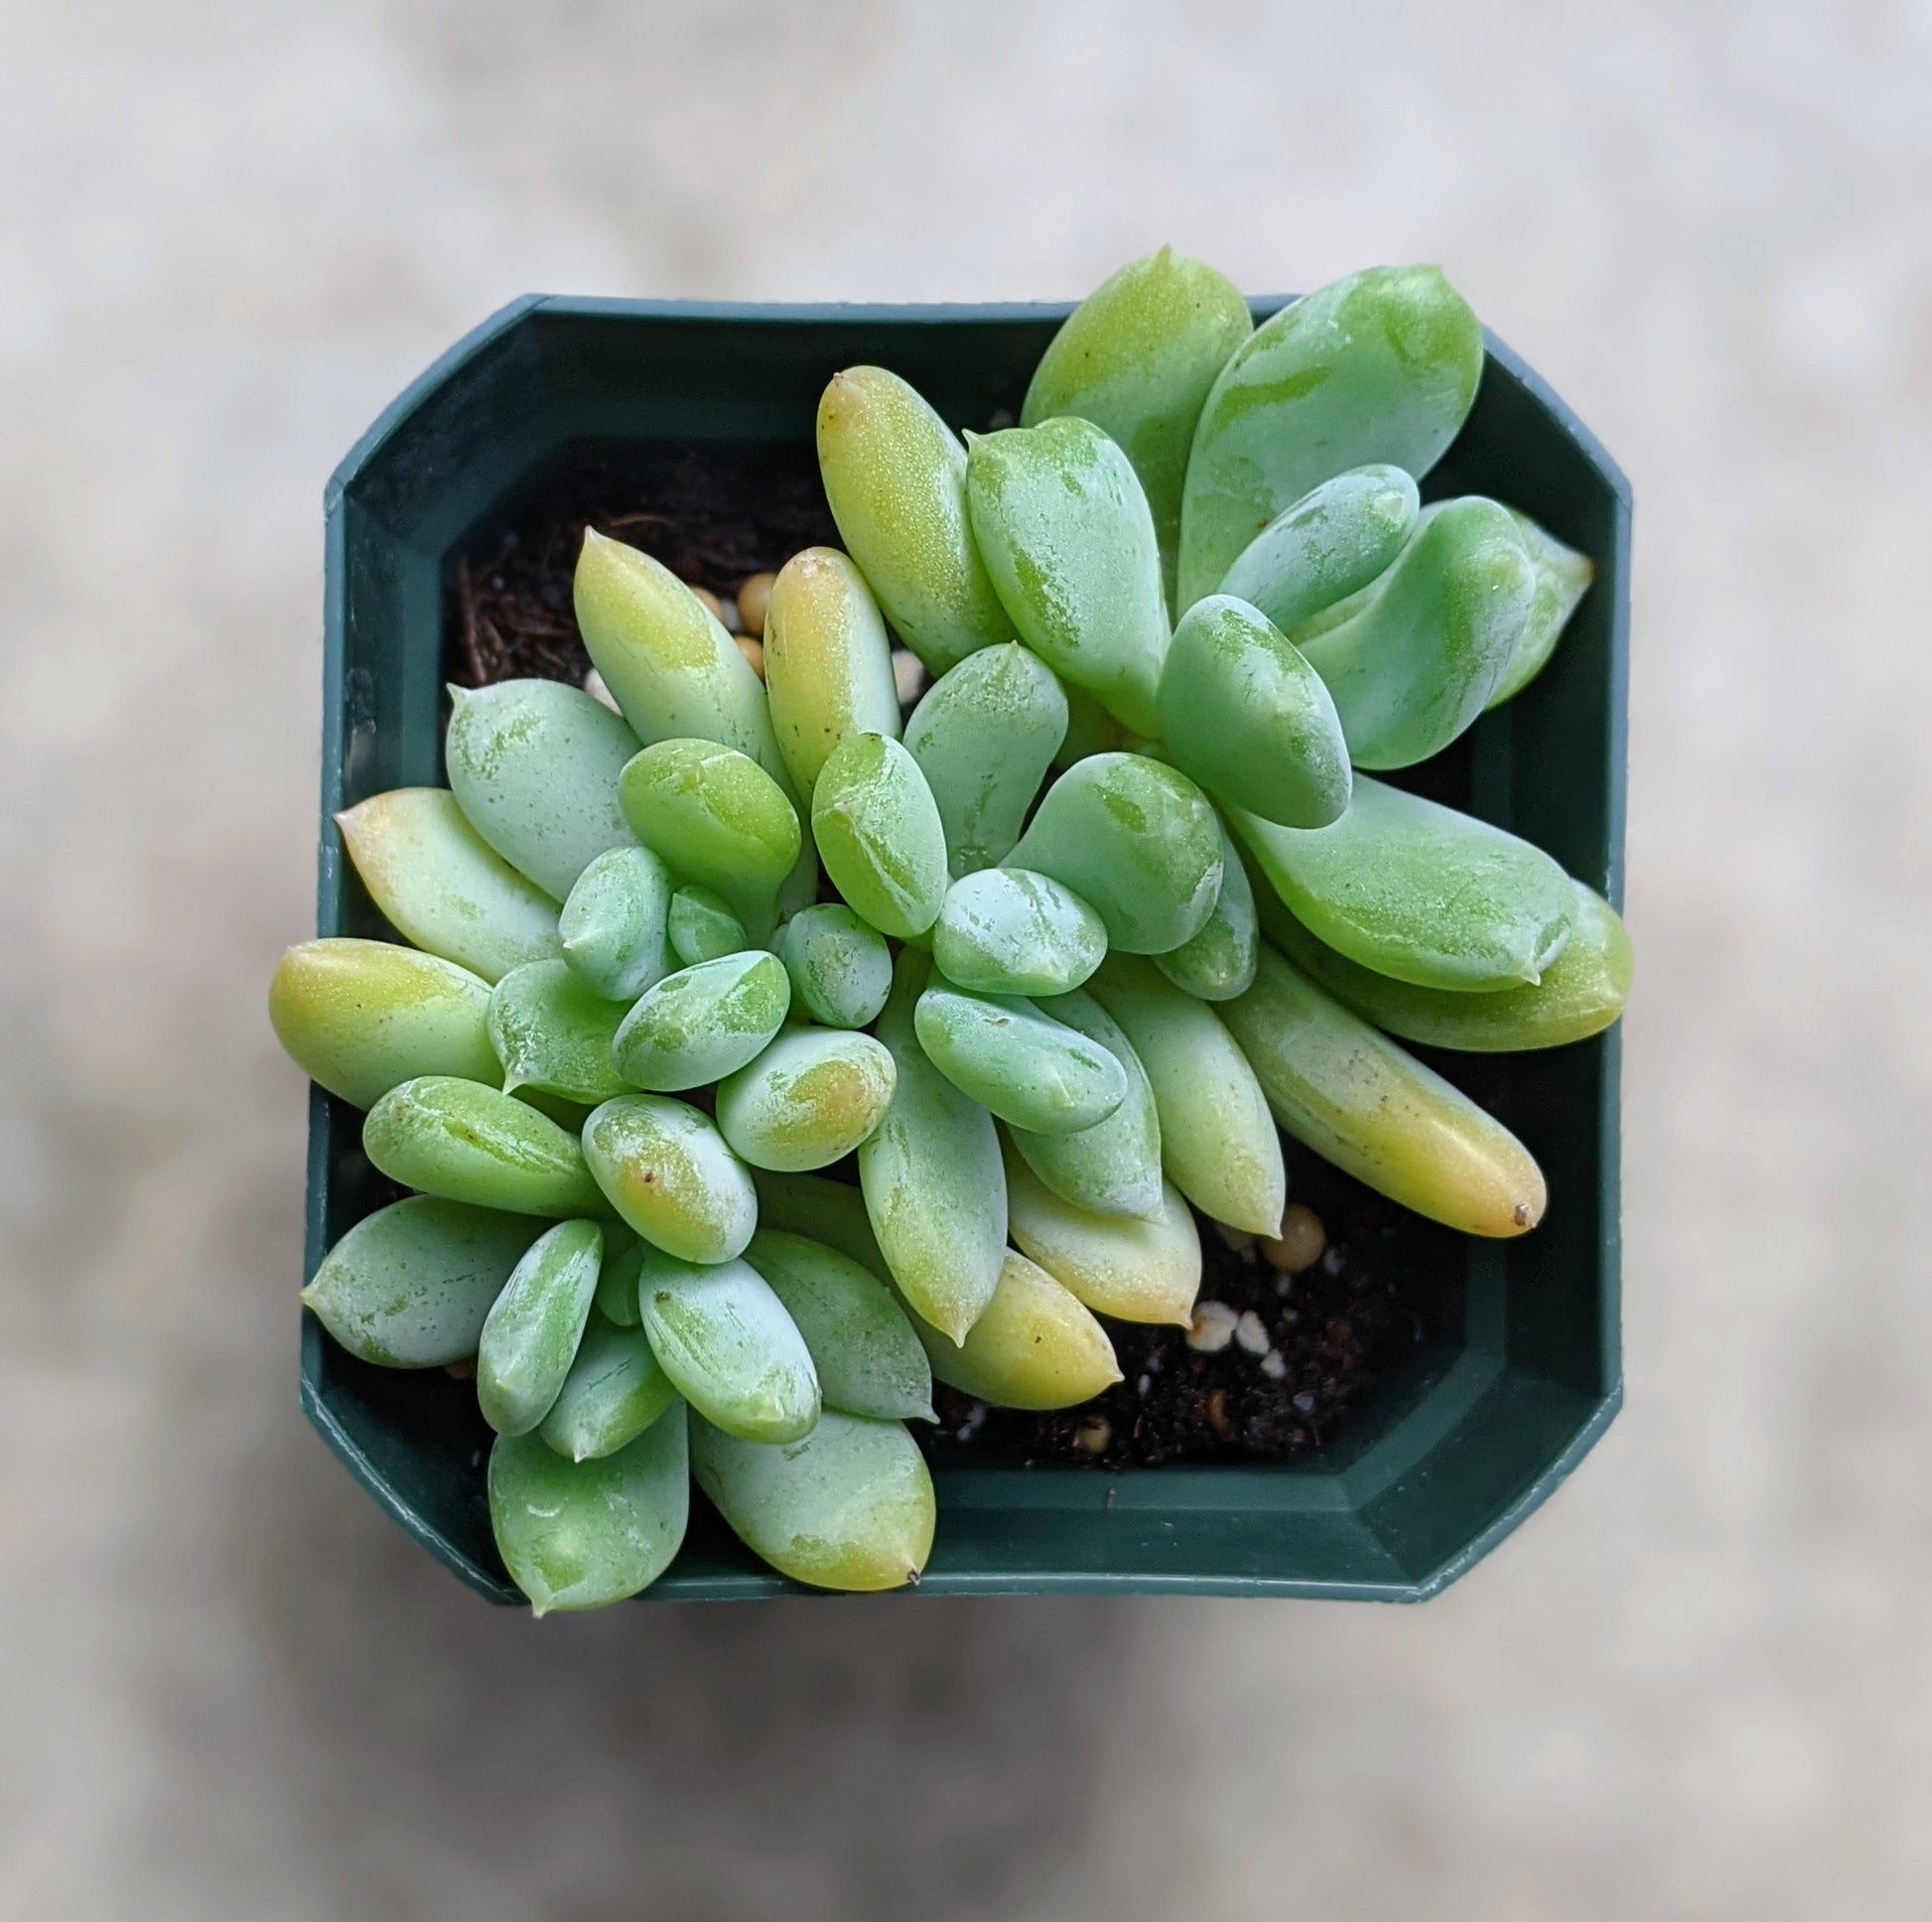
x=1218, y=1144
x=1218, y=962
x=896, y=479
x=1581, y=993
x=1137, y=841
x=667, y=1171
x=1332, y=543
x=984, y=735
x=869, y=1360
x=849, y=1507
x=1021, y=1063
x=534, y=767
x=582, y=1535
x=361, y=1016
x=616, y=923
x=1249, y=718
x=841, y=969
x=1370, y=1107
x=1138, y=358
x=1070, y=543
x=614, y=1391
x=880, y=836
x=703, y=1021
x=701, y=928
x=470, y=1143
x=441, y=888
x=1005, y=930
x=409, y=1287
x=1424, y=657
x=1380, y=368
x=1420, y=891
x=1563, y=578
x=1114, y=1167
x=828, y=661
x=934, y=1189
x=665, y=657
x=1134, y=1269
x=811, y=1098
x=552, y=1031
x=531, y=1334
x=728, y=1344
x=717, y=817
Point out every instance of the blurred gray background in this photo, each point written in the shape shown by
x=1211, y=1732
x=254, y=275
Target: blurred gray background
x=1698, y=1684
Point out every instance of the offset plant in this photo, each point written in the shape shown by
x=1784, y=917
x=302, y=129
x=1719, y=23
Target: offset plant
x=1058, y=963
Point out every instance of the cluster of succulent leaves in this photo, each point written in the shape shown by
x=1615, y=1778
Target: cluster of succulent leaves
x=1057, y=956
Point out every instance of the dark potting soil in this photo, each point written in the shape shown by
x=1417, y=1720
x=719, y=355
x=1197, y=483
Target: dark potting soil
x=711, y=511
x=1388, y=1283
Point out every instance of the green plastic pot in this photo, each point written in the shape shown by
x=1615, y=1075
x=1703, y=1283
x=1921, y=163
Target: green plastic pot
x=1455, y=1452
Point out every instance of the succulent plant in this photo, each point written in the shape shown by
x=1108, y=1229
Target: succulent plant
x=1060, y=956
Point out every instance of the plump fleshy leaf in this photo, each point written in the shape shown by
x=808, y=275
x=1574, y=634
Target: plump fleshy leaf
x=1380, y=368
x=840, y=967
x=1137, y=358
x=442, y=887
x=1250, y=719
x=704, y=1021
x=665, y=1168
x=849, y=1507
x=1219, y=1143
x=1133, y=1268
x=409, y=1287
x=530, y=1338
x=584, y=1534
x=1137, y=841
x=616, y=926
x=1423, y=658
x=934, y=1189
x=466, y=1142
x=869, y=1360
x=895, y=477
x=1114, y=1167
x=1217, y=962
x=719, y=819
x=985, y=735
x=729, y=1347
x=1021, y=1063
x=1008, y=931
x=880, y=835
x=361, y=1016
x=1332, y=543
x=808, y=1100
x=1418, y=891
x=551, y=1030
x=1369, y=1106
x=614, y=1391
x=828, y=661
x=534, y=767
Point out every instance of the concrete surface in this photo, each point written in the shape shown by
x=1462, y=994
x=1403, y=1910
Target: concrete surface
x=1697, y=1685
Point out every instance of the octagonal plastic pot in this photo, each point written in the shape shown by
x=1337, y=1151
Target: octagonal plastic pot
x=1473, y=1433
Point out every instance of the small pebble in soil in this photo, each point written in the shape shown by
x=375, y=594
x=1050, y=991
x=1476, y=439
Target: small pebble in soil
x=1273, y=1366
x=709, y=599
x=1095, y=1434
x=464, y=1370
x=753, y=597
x=753, y=651
x=909, y=676
x=1213, y=1327
x=1237, y=1240
x=1300, y=1243
x=1252, y=1333
x=594, y=688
